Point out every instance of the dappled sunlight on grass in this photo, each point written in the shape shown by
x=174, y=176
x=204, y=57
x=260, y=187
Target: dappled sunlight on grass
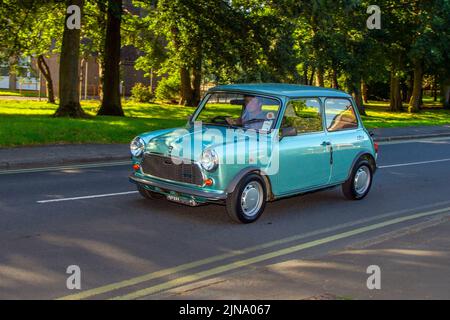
x=379, y=116
x=31, y=122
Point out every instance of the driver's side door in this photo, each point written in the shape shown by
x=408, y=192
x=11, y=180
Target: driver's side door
x=304, y=159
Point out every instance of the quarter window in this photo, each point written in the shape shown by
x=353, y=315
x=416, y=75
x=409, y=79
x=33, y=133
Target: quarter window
x=304, y=115
x=340, y=115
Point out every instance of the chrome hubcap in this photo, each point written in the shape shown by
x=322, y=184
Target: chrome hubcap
x=362, y=180
x=252, y=198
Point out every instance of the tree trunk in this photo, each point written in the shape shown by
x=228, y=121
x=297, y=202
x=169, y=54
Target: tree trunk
x=196, y=82
x=100, y=78
x=319, y=77
x=13, y=60
x=69, y=70
x=435, y=86
x=186, y=93
x=357, y=95
x=395, y=94
x=365, y=91
x=45, y=70
x=111, y=103
x=311, y=80
x=445, y=92
x=305, y=74
x=101, y=21
x=335, y=82
x=415, y=103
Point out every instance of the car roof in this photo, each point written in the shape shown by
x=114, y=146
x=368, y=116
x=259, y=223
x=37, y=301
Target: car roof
x=281, y=89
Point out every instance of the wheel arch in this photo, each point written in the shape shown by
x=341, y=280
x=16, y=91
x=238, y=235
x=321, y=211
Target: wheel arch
x=363, y=155
x=244, y=172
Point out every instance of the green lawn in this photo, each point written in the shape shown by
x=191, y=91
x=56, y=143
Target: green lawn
x=30, y=122
x=378, y=116
x=18, y=93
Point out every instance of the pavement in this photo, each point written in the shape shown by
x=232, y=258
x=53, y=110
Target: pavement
x=406, y=133
x=58, y=155
x=315, y=246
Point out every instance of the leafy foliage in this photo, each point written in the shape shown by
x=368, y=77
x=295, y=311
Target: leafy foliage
x=168, y=89
x=142, y=93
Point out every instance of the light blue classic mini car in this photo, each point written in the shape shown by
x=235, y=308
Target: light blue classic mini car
x=252, y=143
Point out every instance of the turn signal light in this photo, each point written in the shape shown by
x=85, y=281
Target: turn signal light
x=208, y=182
x=136, y=167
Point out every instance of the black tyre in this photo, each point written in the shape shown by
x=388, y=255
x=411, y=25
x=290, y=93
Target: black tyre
x=247, y=202
x=358, y=185
x=149, y=194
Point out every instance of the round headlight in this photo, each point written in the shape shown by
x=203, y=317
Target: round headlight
x=137, y=147
x=209, y=160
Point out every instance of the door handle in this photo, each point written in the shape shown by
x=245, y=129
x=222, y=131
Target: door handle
x=328, y=144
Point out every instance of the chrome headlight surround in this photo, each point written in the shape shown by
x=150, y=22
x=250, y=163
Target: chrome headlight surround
x=137, y=147
x=209, y=160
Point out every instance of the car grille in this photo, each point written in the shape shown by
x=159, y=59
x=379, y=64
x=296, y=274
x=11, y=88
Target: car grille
x=163, y=167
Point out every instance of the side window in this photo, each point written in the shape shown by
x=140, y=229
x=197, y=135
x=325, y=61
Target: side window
x=304, y=115
x=340, y=115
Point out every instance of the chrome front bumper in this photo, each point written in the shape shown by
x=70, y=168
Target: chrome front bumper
x=167, y=187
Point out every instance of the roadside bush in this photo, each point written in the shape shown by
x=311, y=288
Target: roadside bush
x=142, y=93
x=168, y=89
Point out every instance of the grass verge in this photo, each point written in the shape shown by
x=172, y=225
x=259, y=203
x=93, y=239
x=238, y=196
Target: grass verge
x=24, y=123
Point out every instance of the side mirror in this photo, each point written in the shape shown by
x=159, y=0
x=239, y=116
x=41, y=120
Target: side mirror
x=189, y=119
x=289, y=132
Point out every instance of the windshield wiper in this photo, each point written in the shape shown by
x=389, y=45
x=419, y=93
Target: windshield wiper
x=222, y=125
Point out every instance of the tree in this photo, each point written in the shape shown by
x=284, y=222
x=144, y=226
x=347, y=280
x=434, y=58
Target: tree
x=222, y=41
x=111, y=103
x=45, y=70
x=42, y=38
x=69, y=90
x=396, y=42
x=429, y=48
x=31, y=29
x=94, y=34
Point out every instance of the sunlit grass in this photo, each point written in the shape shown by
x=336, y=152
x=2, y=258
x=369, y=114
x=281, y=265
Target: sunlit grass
x=31, y=122
x=18, y=93
x=379, y=116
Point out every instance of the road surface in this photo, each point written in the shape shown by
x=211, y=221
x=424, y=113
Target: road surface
x=132, y=248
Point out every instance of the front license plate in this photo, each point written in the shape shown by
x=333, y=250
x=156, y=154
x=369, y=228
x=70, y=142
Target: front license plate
x=185, y=201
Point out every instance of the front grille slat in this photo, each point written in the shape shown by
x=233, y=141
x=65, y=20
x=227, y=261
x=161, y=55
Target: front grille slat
x=163, y=167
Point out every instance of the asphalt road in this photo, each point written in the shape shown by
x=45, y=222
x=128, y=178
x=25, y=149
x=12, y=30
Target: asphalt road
x=129, y=247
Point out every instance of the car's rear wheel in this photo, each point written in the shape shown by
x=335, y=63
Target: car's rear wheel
x=149, y=194
x=247, y=202
x=358, y=185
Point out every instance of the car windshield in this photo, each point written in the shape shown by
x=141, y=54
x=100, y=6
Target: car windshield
x=239, y=111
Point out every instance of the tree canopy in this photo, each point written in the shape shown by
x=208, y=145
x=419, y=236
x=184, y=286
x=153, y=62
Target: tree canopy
x=193, y=42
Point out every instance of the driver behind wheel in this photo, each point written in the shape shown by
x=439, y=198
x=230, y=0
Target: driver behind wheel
x=252, y=111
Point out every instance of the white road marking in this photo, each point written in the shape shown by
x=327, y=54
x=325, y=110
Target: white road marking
x=413, y=163
x=68, y=167
x=123, y=163
x=89, y=197
x=133, y=192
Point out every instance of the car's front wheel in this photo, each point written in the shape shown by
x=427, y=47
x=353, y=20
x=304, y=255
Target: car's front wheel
x=360, y=181
x=149, y=194
x=247, y=202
